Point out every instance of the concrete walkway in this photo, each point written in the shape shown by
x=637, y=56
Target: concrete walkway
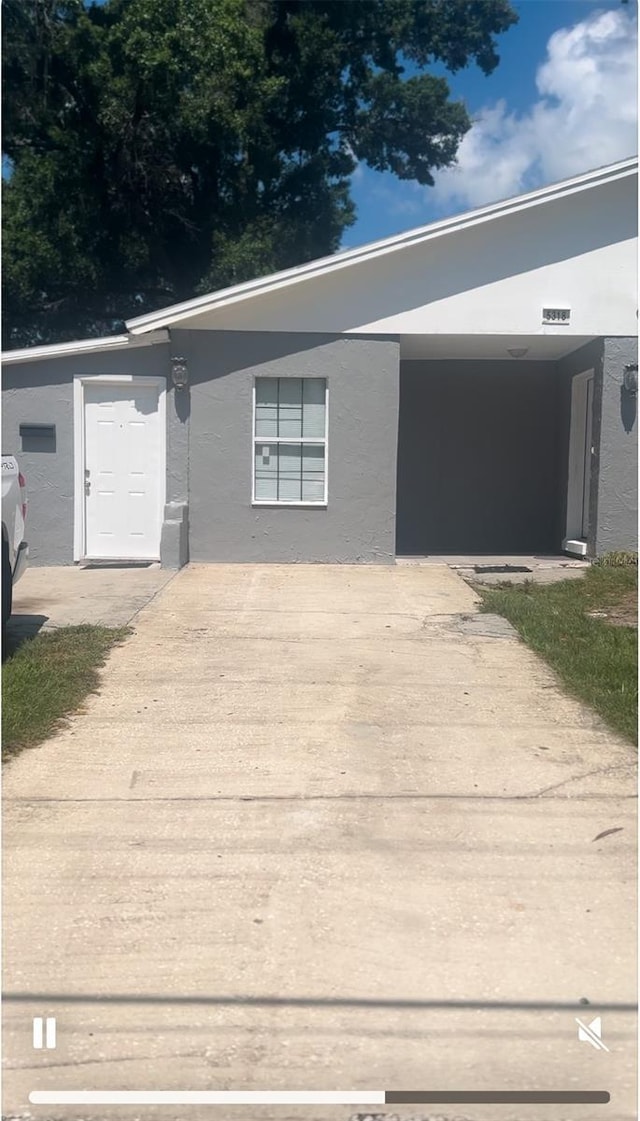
x=68, y=595
x=322, y=828
x=516, y=569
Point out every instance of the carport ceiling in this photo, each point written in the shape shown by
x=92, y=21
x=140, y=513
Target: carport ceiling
x=539, y=348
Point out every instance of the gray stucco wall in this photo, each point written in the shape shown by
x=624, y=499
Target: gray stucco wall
x=587, y=357
x=615, y=481
x=482, y=462
x=613, y=509
x=477, y=457
x=42, y=393
x=358, y=524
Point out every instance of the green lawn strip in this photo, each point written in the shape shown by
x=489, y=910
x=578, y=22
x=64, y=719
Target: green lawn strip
x=596, y=661
x=47, y=677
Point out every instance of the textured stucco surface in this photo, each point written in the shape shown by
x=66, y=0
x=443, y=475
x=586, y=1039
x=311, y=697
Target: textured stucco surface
x=613, y=509
x=586, y=358
x=174, y=542
x=358, y=524
x=477, y=457
x=616, y=436
x=41, y=392
x=178, y=408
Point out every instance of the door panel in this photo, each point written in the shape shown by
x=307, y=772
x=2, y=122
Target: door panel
x=580, y=457
x=586, y=486
x=122, y=470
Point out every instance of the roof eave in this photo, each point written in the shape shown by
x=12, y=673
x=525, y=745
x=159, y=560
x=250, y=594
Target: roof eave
x=178, y=313
x=99, y=345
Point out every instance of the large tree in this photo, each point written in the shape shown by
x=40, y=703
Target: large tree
x=162, y=148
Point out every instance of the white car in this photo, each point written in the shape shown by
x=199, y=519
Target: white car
x=15, y=551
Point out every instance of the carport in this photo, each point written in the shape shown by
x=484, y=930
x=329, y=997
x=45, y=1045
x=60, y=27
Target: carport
x=495, y=447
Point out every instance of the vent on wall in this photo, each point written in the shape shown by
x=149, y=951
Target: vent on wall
x=38, y=437
x=38, y=430
x=556, y=315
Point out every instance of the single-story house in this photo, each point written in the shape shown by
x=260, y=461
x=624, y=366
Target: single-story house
x=468, y=387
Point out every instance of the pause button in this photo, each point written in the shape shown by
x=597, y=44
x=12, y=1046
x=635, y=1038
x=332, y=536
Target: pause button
x=44, y=1033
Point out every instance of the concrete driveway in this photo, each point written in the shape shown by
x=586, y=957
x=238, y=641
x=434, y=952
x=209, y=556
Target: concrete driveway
x=322, y=828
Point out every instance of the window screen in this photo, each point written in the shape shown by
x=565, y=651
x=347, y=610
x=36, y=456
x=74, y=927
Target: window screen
x=290, y=440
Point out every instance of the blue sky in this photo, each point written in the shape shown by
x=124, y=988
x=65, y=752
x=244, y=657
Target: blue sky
x=561, y=101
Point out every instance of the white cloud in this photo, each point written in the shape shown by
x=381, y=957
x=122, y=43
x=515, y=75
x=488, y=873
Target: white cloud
x=586, y=116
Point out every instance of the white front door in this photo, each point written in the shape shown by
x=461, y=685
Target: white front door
x=123, y=471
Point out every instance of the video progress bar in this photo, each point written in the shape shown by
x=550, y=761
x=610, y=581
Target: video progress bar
x=318, y=1097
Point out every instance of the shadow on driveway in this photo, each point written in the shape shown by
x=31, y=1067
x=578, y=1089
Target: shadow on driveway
x=19, y=629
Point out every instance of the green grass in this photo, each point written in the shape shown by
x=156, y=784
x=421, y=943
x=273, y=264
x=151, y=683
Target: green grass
x=596, y=660
x=617, y=559
x=47, y=677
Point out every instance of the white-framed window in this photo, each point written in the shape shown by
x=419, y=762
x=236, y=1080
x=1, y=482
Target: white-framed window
x=290, y=417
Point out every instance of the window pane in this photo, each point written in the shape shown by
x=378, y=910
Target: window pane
x=290, y=407
x=266, y=407
x=313, y=396
x=266, y=461
x=312, y=473
x=290, y=472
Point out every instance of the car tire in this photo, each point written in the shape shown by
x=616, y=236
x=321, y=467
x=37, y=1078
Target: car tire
x=7, y=586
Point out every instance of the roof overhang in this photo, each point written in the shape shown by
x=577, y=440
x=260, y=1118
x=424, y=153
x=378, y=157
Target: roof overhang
x=153, y=328
x=83, y=346
x=179, y=314
x=493, y=348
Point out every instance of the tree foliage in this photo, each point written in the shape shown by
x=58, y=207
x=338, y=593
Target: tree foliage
x=163, y=148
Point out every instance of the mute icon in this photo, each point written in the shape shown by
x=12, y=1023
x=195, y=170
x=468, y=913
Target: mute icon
x=591, y=1033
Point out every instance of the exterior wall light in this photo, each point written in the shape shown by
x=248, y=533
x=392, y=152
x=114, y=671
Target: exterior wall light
x=630, y=379
x=518, y=351
x=179, y=373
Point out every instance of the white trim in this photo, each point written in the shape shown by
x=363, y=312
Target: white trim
x=576, y=466
x=320, y=441
x=79, y=383
x=169, y=316
x=83, y=346
x=78, y=468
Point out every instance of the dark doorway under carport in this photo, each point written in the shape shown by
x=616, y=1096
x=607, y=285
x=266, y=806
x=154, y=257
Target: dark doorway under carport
x=478, y=457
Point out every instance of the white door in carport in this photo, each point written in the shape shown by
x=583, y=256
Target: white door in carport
x=588, y=452
x=123, y=467
x=580, y=457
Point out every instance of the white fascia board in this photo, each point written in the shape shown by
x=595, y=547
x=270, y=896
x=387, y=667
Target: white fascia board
x=176, y=313
x=82, y=346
